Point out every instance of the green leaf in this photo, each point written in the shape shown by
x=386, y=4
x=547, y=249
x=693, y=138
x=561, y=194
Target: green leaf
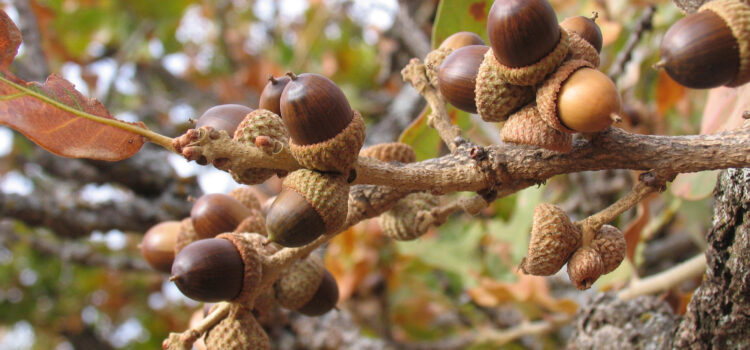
x=460, y=15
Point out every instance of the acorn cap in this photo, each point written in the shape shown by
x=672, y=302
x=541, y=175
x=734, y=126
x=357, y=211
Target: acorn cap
x=325, y=298
x=402, y=222
x=264, y=307
x=253, y=266
x=526, y=127
x=271, y=95
x=336, y=154
x=580, y=49
x=553, y=239
x=457, y=76
x=246, y=196
x=299, y=282
x=546, y=95
x=158, y=243
x=610, y=243
x=185, y=235
x=585, y=267
x=433, y=61
x=390, y=152
x=536, y=72
x=238, y=331
x=216, y=213
x=255, y=223
x=309, y=205
x=495, y=98
x=223, y=117
x=737, y=16
x=209, y=270
x=260, y=123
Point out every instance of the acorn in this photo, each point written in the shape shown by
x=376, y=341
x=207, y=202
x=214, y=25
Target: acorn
x=239, y=330
x=522, y=31
x=217, y=213
x=460, y=39
x=585, y=267
x=271, y=94
x=261, y=129
x=309, y=205
x=586, y=28
x=527, y=127
x=326, y=134
x=307, y=287
x=209, y=270
x=325, y=298
x=185, y=235
x=711, y=47
x=390, y=152
x=610, y=243
x=402, y=222
x=457, y=76
x=157, y=246
x=553, y=239
x=435, y=58
x=496, y=98
x=223, y=117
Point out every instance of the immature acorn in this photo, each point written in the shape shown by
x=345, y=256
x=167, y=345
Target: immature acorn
x=265, y=130
x=458, y=75
x=223, y=117
x=553, y=239
x=390, y=152
x=307, y=287
x=585, y=267
x=271, y=94
x=239, y=330
x=711, y=47
x=586, y=28
x=522, y=31
x=310, y=204
x=435, y=58
x=217, y=213
x=326, y=134
x=610, y=243
x=158, y=243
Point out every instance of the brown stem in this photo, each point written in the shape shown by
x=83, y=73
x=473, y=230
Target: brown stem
x=667, y=279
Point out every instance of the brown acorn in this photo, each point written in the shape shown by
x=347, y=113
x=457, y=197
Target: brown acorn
x=217, y=213
x=458, y=75
x=325, y=298
x=585, y=267
x=326, y=134
x=711, y=47
x=157, y=246
x=239, y=330
x=461, y=39
x=269, y=98
x=223, y=117
x=553, y=239
x=309, y=205
x=610, y=243
x=307, y=287
x=586, y=28
x=522, y=31
x=209, y=270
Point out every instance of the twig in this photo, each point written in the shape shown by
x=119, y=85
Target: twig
x=692, y=268
x=185, y=340
x=504, y=336
x=623, y=57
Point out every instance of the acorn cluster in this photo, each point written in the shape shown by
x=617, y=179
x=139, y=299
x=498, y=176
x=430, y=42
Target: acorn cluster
x=537, y=76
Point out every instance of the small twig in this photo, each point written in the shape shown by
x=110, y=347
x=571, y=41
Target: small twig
x=185, y=340
x=623, y=57
x=504, y=336
x=662, y=281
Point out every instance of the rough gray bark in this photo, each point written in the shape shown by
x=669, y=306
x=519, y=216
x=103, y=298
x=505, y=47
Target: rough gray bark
x=718, y=316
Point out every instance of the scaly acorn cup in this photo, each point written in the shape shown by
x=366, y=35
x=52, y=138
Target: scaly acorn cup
x=223, y=117
x=495, y=98
x=535, y=73
x=435, y=58
x=250, y=247
x=185, y=235
x=310, y=204
x=255, y=223
x=586, y=28
x=580, y=49
x=578, y=98
x=526, y=127
x=265, y=130
x=158, y=245
x=522, y=32
x=711, y=47
x=325, y=298
x=402, y=221
x=298, y=283
x=271, y=94
x=326, y=134
x=246, y=196
x=238, y=331
x=390, y=152
x=217, y=213
x=457, y=76
x=585, y=267
x=610, y=243
x=553, y=239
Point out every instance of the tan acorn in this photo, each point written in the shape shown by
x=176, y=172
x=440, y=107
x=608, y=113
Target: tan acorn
x=223, y=117
x=217, y=213
x=239, y=330
x=402, y=222
x=586, y=28
x=553, y=239
x=526, y=127
x=185, y=235
x=247, y=196
x=158, y=243
x=585, y=267
x=310, y=204
x=325, y=133
x=390, y=152
x=610, y=243
x=307, y=287
x=265, y=130
x=711, y=47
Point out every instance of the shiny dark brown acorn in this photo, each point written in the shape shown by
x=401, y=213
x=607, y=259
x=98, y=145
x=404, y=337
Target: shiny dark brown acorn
x=224, y=117
x=325, y=297
x=700, y=52
x=522, y=31
x=157, y=246
x=216, y=213
x=209, y=270
x=314, y=109
x=461, y=39
x=269, y=98
x=458, y=75
x=292, y=221
x=586, y=28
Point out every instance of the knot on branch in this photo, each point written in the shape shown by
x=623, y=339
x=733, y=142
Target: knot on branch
x=415, y=73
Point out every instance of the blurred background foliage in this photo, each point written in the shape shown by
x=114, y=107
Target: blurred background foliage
x=165, y=62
